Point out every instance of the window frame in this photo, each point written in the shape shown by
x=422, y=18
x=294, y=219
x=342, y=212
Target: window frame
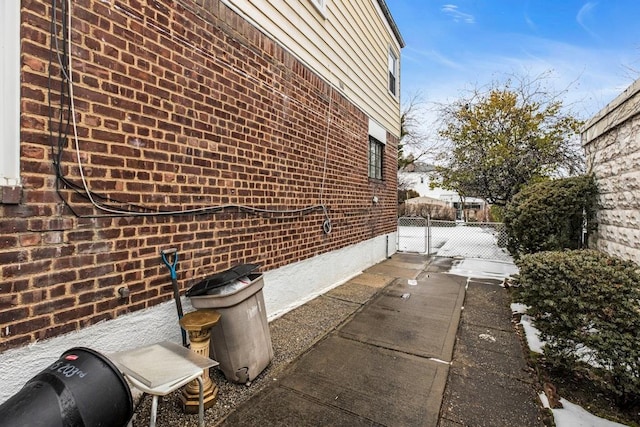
x=321, y=6
x=10, y=93
x=376, y=159
x=393, y=70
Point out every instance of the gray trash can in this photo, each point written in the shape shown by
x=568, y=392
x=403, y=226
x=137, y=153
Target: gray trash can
x=241, y=341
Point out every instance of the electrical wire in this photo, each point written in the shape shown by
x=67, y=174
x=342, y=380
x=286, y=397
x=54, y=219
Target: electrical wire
x=326, y=225
x=67, y=92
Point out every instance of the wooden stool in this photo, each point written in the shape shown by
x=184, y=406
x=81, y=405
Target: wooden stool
x=198, y=324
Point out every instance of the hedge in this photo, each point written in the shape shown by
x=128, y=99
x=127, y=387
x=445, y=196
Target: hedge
x=549, y=215
x=586, y=306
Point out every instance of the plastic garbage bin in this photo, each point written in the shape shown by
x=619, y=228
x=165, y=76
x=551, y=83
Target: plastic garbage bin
x=241, y=341
x=82, y=388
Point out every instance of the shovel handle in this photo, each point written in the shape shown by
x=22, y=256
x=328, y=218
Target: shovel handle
x=169, y=262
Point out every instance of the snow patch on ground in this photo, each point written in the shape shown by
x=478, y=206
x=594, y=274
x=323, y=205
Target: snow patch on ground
x=468, y=242
x=483, y=268
x=531, y=333
x=518, y=307
x=572, y=415
x=460, y=241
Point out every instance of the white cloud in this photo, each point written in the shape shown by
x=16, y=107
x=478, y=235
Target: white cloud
x=530, y=23
x=433, y=55
x=588, y=75
x=457, y=15
x=583, y=15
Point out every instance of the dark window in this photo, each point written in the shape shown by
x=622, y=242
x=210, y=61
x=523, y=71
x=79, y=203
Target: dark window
x=376, y=154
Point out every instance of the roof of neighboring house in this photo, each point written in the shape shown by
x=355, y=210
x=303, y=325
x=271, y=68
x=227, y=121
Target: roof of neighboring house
x=418, y=167
x=392, y=23
x=424, y=200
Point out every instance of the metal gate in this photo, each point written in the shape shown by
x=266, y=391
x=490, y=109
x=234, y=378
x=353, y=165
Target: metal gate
x=413, y=234
x=487, y=240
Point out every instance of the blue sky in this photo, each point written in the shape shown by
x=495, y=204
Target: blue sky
x=590, y=47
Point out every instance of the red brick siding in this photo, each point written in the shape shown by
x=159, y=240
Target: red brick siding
x=179, y=104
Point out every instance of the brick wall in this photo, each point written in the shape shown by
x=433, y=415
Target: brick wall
x=179, y=105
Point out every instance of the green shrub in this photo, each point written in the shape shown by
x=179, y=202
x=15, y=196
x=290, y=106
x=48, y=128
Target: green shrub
x=496, y=213
x=549, y=215
x=586, y=306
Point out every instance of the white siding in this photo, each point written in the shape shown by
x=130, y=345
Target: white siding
x=348, y=46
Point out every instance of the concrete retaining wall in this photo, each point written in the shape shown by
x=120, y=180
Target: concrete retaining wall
x=611, y=140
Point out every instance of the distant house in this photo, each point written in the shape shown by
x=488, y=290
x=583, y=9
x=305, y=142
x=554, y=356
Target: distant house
x=417, y=177
x=236, y=132
x=430, y=207
x=611, y=142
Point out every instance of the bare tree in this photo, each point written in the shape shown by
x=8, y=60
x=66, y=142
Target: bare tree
x=417, y=139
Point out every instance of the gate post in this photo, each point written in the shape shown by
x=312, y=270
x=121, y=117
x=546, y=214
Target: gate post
x=428, y=234
x=398, y=234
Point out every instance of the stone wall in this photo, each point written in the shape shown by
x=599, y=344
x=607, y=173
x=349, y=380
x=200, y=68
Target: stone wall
x=611, y=141
x=194, y=131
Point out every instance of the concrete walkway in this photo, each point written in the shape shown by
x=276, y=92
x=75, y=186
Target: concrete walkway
x=489, y=382
x=392, y=362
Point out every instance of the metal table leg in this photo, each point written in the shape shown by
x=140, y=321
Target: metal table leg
x=154, y=411
x=201, y=406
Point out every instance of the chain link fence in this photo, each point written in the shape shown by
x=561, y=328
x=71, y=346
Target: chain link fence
x=486, y=240
x=413, y=234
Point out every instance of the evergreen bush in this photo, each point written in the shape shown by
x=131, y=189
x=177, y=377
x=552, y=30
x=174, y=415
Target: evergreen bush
x=550, y=215
x=586, y=306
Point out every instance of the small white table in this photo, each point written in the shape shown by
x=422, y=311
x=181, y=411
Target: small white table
x=162, y=368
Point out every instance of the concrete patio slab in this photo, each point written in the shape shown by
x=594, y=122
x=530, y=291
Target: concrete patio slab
x=420, y=320
x=489, y=381
x=482, y=399
x=350, y=359
x=353, y=292
x=388, y=269
x=279, y=406
x=490, y=339
x=372, y=280
x=418, y=260
x=385, y=386
x=439, y=265
x=487, y=308
x=469, y=358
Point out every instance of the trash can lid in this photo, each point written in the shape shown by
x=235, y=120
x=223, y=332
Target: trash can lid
x=220, y=279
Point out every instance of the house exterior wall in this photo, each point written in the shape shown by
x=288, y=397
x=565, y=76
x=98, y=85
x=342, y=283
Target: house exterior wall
x=182, y=106
x=347, y=44
x=420, y=182
x=158, y=323
x=611, y=140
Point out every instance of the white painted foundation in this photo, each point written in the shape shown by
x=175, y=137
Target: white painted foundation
x=284, y=289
